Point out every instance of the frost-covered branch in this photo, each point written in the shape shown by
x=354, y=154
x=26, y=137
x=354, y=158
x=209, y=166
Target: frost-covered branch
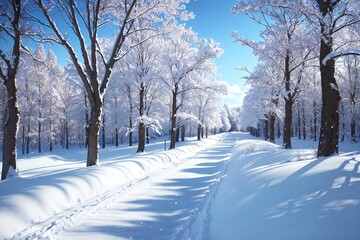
x=341, y=53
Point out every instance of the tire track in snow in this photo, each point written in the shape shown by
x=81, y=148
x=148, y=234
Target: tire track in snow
x=198, y=226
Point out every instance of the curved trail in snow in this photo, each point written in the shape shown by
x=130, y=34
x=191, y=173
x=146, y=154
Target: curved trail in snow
x=167, y=204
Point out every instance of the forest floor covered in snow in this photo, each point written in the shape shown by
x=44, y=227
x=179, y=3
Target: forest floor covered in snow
x=229, y=186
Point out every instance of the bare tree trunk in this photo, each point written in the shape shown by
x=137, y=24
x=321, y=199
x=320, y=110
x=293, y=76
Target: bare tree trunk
x=266, y=129
x=66, y=134
x=147, y=135
x=289, y=101
x=50, y=130
x=199, y=132
x=299, y=122
x=94, y=130
x=131, y=126
x=116, y=137
x=141, y=143
x=329, y=131
x=353, y=130
x=173, y=118
x=39, y=133
x=177, y=135
x=11, y=120
x=353, y=115
x=315, y=121
x=103, y=132
x=287, y=124
x=304, y=123
x=278, y=129
x=272, y=128
x=23, y=140
x=86, y=120
x=183, y=129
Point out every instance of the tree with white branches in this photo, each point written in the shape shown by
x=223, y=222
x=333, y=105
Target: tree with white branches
x=85, y=22
x=184, y=55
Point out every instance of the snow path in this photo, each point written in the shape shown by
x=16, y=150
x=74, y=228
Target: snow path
x=159, y=207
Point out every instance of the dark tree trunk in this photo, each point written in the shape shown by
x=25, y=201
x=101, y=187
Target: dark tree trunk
x=103, y=133
x=39, y=127
x=23, y=140
x=147, y=135
x=173, y=118
x=266, y=129
x=28, y=117
x=278, y=129
x=353, y=130
x=103, y=145
x=299, y=122
x=50, y=129
x=315, y=122
x=131, y=125
x=272, y=128
x=12, y=115
x=206, y=132
x=141, y=143
x=199, y=132
x=304, y=123
x=94, y=130
x=66, y=134
x=343, y=124
x=177, y=135
x=116, y=137
x=11, y=120
x=51, y=141
x=28, y=135
x=87, y=121
x=329, y=130
x=183, y=133
x=287, y=124
x=353, y=115
x=289, y=101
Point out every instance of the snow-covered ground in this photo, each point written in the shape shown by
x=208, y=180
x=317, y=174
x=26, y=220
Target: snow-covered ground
x=230, y=186
x=272, y=193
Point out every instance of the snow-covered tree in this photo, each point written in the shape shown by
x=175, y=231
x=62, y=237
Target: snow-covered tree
x=12, y=30
x=329, y=20
x=286, y=44
x=183, y=55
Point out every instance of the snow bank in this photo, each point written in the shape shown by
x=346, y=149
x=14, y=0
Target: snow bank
x=271, y=193
x=28, y=205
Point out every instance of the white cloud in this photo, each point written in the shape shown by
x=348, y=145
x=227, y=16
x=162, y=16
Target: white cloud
x=236, y=94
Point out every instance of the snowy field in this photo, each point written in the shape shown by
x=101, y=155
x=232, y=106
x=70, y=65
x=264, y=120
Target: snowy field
x=230, y=186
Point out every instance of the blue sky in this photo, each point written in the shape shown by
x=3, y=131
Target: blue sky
x=215, y=20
